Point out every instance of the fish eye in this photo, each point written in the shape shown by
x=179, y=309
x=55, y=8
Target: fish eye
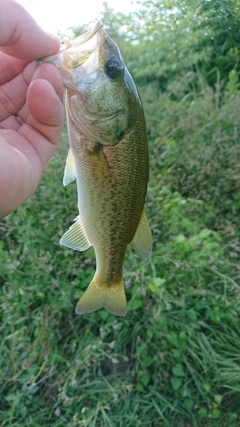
x=114, y=68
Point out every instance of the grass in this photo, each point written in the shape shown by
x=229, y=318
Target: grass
x=174, y=360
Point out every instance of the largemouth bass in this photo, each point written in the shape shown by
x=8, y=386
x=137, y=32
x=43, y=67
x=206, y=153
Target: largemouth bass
x=108, y=156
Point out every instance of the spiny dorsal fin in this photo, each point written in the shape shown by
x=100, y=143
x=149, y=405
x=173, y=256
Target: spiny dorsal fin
x=76, y=238
x=70, y=169
x=142, y=241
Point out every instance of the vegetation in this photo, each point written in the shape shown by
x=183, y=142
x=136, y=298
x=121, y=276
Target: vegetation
x=174, y=360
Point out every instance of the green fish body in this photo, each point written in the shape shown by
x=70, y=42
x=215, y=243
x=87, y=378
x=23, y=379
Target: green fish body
x=108, y=156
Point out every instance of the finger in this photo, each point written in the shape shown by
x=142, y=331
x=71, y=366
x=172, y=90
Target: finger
x=21, y=36
x=13, y=93
x=14, y=111
x=46, y=118
x=50, y=73
x=44, y=104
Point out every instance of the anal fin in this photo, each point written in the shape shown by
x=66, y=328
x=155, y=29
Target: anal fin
x=76, y=238
x=142, y=240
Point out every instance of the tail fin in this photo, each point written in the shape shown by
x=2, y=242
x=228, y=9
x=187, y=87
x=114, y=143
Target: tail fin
x=96, y=296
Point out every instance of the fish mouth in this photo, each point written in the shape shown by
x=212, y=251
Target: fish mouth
x=83, y=38
x=74, y=53
x=82, y=47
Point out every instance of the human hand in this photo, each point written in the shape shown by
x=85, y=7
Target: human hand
x=31, y=111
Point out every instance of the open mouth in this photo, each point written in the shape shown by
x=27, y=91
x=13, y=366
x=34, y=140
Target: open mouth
x=74, y=53
x=82, y=47
x=84, y=38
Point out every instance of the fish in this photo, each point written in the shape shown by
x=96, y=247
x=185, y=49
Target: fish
x=108, y=157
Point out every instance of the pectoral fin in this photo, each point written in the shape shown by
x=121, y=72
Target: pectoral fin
x=70, y=169
x=76, y=238
x=142, y=241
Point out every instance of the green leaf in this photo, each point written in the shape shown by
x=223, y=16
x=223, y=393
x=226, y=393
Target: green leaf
x=176, y=354
x=178, y=371
x=144, y=379
x=11, y=397
x=180, y=239
x=202, y=413
x=176, y=383
x=134, y=304
x=182, y=335
x=21, y=320
x=218, y=398
x=139, y=387
x=104, y=314
x=170, y=142
x=152, y=288
x=172, y=338
x=207, y=387
x=147, y=361
x=188, y=403
x=158, y=282
x=233, y=82
x=216, y=413
x=23, y=411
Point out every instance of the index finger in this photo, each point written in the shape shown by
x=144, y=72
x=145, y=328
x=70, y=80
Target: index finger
x=21, y=36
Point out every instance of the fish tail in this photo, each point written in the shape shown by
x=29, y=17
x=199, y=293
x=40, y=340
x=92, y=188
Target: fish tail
x=97, y=296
